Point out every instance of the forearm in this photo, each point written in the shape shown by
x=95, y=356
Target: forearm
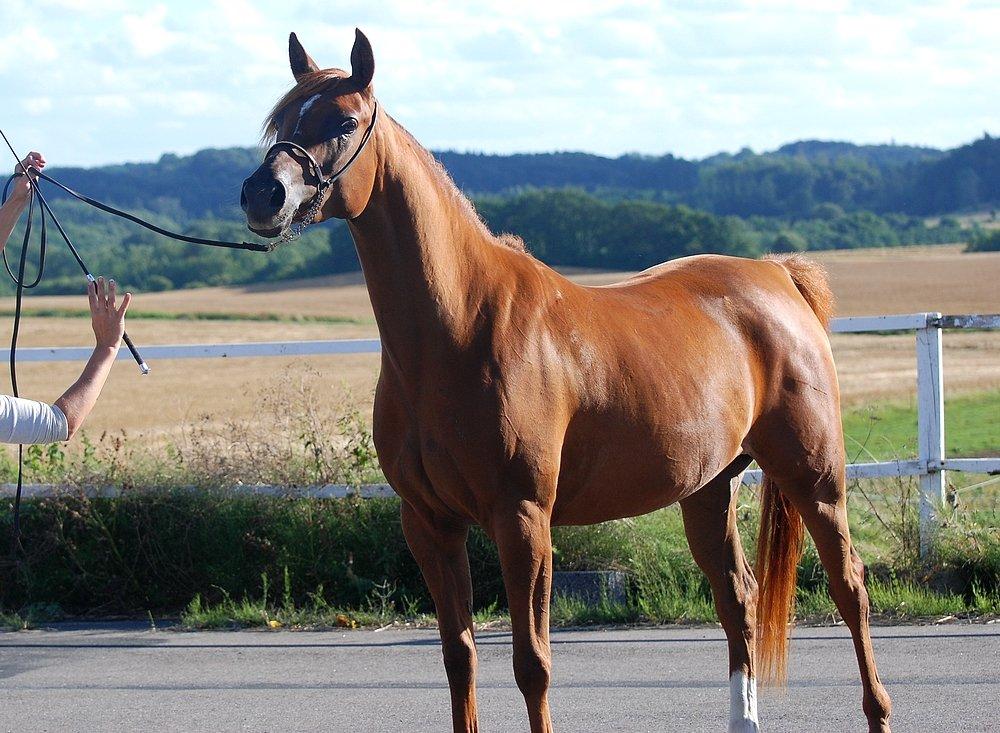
x=10, y=212
x=77, y=402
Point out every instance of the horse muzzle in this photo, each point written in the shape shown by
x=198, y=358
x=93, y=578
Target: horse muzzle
x=265, y=200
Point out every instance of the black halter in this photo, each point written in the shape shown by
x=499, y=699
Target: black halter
x=317, y=170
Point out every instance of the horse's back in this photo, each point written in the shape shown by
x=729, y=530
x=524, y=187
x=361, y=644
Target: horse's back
x=703, y=278
x=756, y=311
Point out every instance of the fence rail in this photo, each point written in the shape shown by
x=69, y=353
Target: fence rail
x=210, y=351
x=930, y=465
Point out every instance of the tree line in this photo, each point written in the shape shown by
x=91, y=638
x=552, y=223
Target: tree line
x=570, y=208
x=788, y=182
x=566, y=226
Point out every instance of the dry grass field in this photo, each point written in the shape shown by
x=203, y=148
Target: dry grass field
x=914, y=279
x=184, y=392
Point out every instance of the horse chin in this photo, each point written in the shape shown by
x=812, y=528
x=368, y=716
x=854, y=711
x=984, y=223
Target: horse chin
x=267, y=233
x=273, y=228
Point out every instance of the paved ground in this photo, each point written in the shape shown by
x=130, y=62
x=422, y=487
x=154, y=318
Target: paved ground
x=113, y=678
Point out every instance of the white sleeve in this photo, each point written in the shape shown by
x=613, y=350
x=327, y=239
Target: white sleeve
x=27, y=421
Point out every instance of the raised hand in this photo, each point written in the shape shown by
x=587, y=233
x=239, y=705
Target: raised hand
x=21, y=188
x=106, y=315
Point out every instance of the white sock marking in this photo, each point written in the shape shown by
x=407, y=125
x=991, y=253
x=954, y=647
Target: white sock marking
x=743, y=704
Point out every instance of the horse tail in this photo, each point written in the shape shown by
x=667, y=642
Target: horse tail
x=811, y=280
x=779, y=546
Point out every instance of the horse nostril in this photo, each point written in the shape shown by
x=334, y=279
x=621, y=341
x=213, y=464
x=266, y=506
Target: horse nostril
x=277, y=199
x=243, y=198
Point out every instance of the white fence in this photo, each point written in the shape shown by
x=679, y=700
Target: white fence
x=930, y=464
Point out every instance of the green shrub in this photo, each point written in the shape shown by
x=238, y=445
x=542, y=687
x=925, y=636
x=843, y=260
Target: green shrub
x=984, y=241
x=208, y=551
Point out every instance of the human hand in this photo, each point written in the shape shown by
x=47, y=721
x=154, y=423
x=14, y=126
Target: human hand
x=107, y=317
x=21, y=187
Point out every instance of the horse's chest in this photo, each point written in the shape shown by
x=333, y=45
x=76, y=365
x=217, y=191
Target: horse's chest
x=440, y=454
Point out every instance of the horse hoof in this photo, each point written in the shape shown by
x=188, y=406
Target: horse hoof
x=743, y=726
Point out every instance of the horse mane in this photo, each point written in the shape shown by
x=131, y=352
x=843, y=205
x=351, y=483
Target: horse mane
x=324, y=80
x=450, y=188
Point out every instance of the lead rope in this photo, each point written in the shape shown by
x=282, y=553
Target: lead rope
x=45, y=212
x=21, y=286
x=19, y=281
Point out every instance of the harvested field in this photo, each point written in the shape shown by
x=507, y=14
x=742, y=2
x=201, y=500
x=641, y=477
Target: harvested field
x=884, y=280
x=873, y=367
x=865, y=281
x=335, y=296
x=913, y=279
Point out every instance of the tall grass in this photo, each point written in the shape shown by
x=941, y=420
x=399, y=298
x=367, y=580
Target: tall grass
x=175, y=540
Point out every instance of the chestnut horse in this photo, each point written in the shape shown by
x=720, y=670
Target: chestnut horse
x=512, y=398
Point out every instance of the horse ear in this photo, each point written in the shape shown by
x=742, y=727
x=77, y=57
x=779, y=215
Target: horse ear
x=300, y=61
x=362, y=61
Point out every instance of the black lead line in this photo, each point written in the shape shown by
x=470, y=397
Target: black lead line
x=45, y=213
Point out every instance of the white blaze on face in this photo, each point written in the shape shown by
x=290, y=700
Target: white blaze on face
x=743, y=703
x=302, y=112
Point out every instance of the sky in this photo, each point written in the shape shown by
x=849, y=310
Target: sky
x=91, y=82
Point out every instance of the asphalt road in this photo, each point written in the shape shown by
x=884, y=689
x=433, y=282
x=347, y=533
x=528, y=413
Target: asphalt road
x=116, y=678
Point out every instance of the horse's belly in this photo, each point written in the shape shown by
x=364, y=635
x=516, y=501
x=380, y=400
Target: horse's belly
x=615, y=493
x=625, y=473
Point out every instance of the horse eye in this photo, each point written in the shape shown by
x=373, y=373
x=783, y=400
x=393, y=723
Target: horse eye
x=348, y=126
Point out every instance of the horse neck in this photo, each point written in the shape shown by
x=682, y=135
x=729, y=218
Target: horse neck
x=428, y=260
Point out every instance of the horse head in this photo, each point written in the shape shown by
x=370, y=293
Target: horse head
x=319, y=165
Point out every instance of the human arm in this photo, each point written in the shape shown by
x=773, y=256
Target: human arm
x=20, y=192
x=28, y=421
x=108, y=320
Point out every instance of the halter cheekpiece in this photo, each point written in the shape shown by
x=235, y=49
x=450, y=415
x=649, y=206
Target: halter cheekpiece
x=316, y=202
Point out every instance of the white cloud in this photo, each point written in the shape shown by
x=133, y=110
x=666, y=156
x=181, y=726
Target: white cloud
x=183, y=103
x=84, y=6
x=686, y=76
x=37, y=105
x=113, y=103
x=24, y=47
x=146, y=34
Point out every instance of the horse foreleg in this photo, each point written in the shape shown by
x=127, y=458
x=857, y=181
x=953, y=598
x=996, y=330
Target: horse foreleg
x=710, y=526
x=440, y=551
x=525, y=544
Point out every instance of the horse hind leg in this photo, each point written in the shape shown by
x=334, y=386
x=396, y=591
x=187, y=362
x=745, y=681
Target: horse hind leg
x=827, y=524
x=805, y=483
x=710, y=525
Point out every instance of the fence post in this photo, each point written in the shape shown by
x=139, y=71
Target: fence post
x=930, y=428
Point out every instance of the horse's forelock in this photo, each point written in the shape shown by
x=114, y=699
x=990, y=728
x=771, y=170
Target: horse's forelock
x=316, y=82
